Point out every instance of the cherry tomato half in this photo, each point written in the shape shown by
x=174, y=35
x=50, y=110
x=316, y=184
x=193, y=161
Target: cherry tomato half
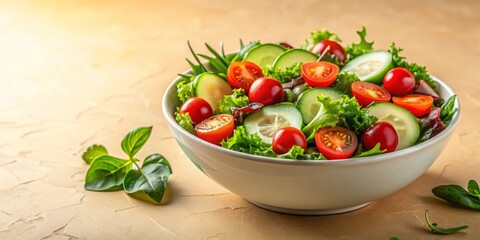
x=243, y=74
x=285, y=138
x=266, y=90
x=399, y=81
x=366, y=93
x=319, y=74
x=335, y=49
x=336, y=142
x=216, y=128
x=197, y=108
x=419, y=104
x=383, y=133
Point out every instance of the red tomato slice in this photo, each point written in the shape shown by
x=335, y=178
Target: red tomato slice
x=319, y=74
x=419, y=104
x=366, y=93
x=243, y=74
x=336, y=142
x=216, y=128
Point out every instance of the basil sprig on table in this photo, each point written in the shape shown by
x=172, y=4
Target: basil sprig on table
x=108, y=173
x=436, y=229
x=457, y=195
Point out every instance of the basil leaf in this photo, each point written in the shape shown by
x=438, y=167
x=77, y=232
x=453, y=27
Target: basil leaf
x=473, y=189
x=456, y=195
x=106, y=173
x=135, y=139
x=435, y=229
x=150, y=182
x=94, y=152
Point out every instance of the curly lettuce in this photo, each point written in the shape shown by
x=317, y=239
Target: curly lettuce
x=185, y=121
x=237, y=99
x=361, y=48
x=283, y=75
x=318, y=36
x=344, y=82
x=418, y=71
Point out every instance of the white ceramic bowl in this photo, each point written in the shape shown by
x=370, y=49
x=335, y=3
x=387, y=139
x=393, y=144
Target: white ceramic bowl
x=308, y=187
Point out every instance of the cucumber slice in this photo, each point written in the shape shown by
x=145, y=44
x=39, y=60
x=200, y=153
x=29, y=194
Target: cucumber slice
x=307, y=102
x=370, y=67
x=264, y=54
x=404, y=122
x=293, y=56
x=271, y=118
x=211, y=87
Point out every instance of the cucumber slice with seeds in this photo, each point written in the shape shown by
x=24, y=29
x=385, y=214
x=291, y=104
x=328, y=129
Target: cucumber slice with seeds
x=293, y=56
x=211, y=87
x=370, y=67
x=271, y=118
x=264, y=54
x=308, y=105
x=404, y=122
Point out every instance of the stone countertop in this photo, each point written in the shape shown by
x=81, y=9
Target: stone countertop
x=75, y=73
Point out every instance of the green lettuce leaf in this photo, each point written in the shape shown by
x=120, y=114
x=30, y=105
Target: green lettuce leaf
x=318, y=36
x=448, y=110
x=345, y=111
x=237, y=99
x=363, y=47
x=365, y=153
x=185, y=121
x=185, y=88
x=418, y=71
x=283, y=75
x=344, y=82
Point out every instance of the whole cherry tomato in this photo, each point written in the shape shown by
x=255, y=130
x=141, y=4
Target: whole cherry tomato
x=399, y=81
x=197, y=108
x=266, y=90
x=285, y=138
x=383, y=133
x=335, y=49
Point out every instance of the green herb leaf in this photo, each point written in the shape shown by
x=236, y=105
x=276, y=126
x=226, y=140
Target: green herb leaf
x=374, y=151
x=185, y=121
x=394, y=238
x=344, y=82
x=106, y=173
x=473, y=188
x=135, y=139
x=318, y=36
x=448, y=110
x=94, y=152
x=237, y=99
x=150, y=182
x=435, y=229
x=418, y=71
x=283, y=75
x=361, y=48
x=457, y=195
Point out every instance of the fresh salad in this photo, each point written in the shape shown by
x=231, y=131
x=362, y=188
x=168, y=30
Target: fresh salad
x=322, y=100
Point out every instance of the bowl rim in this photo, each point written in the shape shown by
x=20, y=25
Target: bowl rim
x=281, y=161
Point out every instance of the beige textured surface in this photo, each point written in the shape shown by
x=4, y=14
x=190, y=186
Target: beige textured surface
x=74, y=73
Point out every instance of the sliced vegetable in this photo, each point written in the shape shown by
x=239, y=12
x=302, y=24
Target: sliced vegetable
x=285, y=138
x=366, y=93
x=418, y=104
x=319, y=74
x=370, y=67
x=336, y=142
x=307, y=102
x=212, y=88
x=264, y=54
x=404, y=122
x=266, y=90
x=243, y=74
x=216, y=128
x=271, y=118
x=399, y=82
x=293, y=56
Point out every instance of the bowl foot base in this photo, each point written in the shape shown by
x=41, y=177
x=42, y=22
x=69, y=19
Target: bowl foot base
x=309, y=212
